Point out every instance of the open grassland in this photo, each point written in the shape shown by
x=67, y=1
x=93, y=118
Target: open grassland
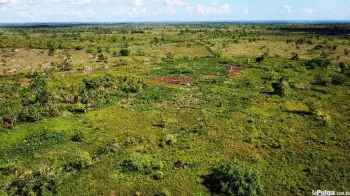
x=176, y=109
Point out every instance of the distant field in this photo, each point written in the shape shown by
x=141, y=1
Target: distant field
x=175, y=109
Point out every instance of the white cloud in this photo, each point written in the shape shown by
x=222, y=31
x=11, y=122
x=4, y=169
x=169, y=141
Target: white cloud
x=189, y=9
x=135, y=11
x=246, y=11
x=137, y=3
x=27, y=13
x=76, y=2
x=291, y=10
x=306, y=10
x=31, y=2
x=69, y=13
x=213, y=9
x=165, y=11
x=178, y=3
x=8, y=3
x=105, y=1
x=288, y=8
x=5, y=4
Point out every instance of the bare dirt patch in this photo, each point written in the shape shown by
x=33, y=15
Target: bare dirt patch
x=175, y=80
x=235, y=70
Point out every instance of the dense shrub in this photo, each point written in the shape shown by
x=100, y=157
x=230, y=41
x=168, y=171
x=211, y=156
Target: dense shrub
x=234, y=178
x=124, y=52
x=78, y=136
x=140, y=164
x=101, y=58
x=226, y=60
x=313, y=63
x=155, y=93
x=51, y=49
x=322, y=79
x=41, y=182
x=31, y=113
x=92, y=83
x=280, y=87
x=344, y=69
x=319, y=47
x=182, y=68
x=169, y=56
x=338, y=79
x=111, y=147
x=158, y=175
x=295, y=56
x=80, y=160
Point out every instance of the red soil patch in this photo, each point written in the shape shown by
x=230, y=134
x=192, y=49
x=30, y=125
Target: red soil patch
x=235, y=70
x=175, y=80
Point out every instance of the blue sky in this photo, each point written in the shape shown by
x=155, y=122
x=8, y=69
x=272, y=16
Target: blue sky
x=170, y=10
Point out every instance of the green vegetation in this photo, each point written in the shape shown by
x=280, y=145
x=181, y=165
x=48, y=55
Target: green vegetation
x=174, y=109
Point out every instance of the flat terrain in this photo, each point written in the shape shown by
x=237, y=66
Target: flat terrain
x=155, y=109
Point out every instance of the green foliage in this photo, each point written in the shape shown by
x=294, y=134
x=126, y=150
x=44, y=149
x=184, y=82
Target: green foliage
x=129, y=85
x=313, y=63
x=111, y=147
x=78, y=136
x=168, y=135
x=322, y=79
x=155, y=93
x=101, y=58
x=92, y=83
x=140, y=164
x=226, y=60
x=159, y=175
x=234, y=178
x=31, y=113
x=41, y=182
x=124, y=52
x=295, y=56
x=79, y=161
x=51, y=50
x=339, y=79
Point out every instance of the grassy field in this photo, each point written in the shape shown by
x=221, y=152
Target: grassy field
x=175, y=109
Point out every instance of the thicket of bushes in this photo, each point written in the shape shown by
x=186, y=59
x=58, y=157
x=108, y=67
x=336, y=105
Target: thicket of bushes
x=38, y=100
x=234, y=178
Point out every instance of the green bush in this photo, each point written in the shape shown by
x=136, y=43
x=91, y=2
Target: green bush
x=319, y=47
x=92, y=83
x=140, y=164
x=226, y=60
x=234, y=178
x=80, y=160
x=344, y=69
x=78, y=136
x=338, y=79
x=130, y=86
x=158, y=175
x=111, y=147
x=31, y=113
x=155, y=93
x=317, y=62
x=322, y=79
x=182, y=68
x=37, y=92
x=124, y=52
x=42, y=182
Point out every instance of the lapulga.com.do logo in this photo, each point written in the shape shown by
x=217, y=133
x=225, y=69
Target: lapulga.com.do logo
x=328, y=193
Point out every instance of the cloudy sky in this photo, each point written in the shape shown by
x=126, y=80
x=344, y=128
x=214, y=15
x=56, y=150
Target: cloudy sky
x=170, y=10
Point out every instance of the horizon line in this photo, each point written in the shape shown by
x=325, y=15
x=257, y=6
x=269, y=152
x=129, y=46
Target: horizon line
x=174, y=21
